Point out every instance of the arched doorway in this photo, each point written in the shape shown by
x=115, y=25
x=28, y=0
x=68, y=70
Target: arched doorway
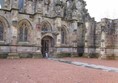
x=47, y=44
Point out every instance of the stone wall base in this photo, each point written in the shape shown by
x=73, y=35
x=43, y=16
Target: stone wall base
x=61, y=55
x=19, y=55
x=13, y=56
x=37, y=55
x=116, y=57
x=91, y=55
x=107, y=57
x=61, y=52
x=74, y=54
x=3, y=55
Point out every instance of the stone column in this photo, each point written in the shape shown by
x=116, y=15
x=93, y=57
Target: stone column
x=37, y=29
x=103, y=46
x=74, y=39
x=37, y=36
x=80, y=39
x=89, y=38
x=46, y=7
x=15, y=4
x=7, y=4
x=107, y=39
x=14, y=33
x=29, y=7
x=58, y=42
x=86, y=49
x=58, y=36
x=14, y=26
x=39, y=8
x=58, y=25
x=86, y=34
x=75, y=25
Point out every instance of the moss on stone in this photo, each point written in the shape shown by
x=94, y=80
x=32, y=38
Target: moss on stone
x=37, y=55
x=61, y=55
x=116, y=57
x=3, y=55
x=25, y=55
x=91, y=55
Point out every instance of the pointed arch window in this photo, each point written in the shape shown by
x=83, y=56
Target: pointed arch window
x=63, y=35
x=1, y=31
x=23, y=33
x=46, y=28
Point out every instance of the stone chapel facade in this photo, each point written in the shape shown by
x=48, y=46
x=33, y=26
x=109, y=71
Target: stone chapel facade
x=31, y=28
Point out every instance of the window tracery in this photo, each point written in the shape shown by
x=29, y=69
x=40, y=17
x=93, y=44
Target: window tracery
x=1, y=30
x=23, y=33
x=46, y=27
x=63, y=36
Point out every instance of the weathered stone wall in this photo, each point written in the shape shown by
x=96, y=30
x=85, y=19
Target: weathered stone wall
x=98, y=35
x=89, y=49
x=107, y=36
x=34, y=14
x=68, y=23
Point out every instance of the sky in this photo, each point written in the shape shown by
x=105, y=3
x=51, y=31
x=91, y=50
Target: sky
x=1, y=3
x=102, y=9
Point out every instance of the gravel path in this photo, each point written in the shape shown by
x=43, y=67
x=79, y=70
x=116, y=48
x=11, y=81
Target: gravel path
x=48, y=71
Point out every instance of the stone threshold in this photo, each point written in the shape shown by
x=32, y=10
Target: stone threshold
x=87, y=65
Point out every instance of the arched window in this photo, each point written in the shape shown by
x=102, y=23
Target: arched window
x=46, y=27
x=1, y=31
x=1, y=3
x=23, y=33
x=20, y=5
x=63, y=35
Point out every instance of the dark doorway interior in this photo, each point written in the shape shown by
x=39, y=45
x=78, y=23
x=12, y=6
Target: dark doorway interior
x=80, y=51
x=47, y=45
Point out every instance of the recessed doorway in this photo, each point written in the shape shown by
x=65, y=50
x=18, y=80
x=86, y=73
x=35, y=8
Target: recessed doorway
x=47, y=43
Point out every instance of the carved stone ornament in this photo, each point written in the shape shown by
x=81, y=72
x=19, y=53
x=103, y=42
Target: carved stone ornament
x=46, y=2
x=7, y=2
x=58, y=10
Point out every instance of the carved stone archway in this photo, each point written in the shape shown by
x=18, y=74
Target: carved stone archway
x=47, y=46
